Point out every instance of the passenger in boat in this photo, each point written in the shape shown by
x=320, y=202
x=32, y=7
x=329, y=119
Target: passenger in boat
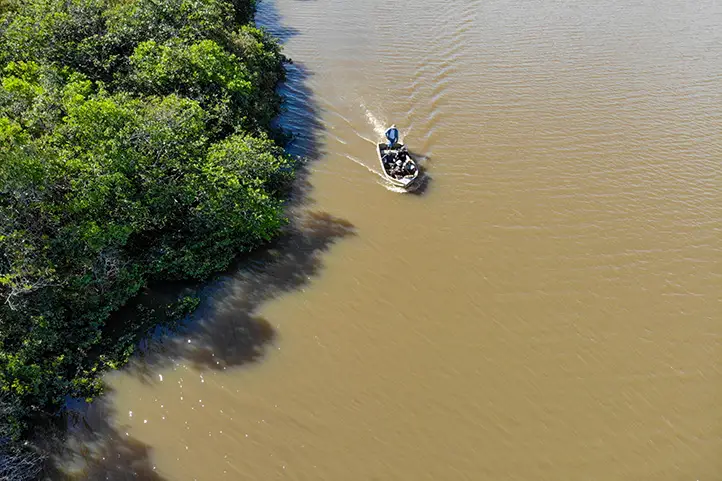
x=388, y=160
x=409, y=167
x=403, y=165
x=392, y=135
x=398, y=167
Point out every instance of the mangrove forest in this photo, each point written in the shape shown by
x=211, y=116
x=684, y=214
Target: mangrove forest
x=135, y=146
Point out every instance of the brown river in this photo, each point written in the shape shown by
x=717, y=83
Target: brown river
x=546, y=306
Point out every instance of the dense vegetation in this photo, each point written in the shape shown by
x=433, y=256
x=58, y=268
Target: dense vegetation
x=134, y=146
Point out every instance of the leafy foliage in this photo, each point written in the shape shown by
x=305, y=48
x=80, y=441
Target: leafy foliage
x=134, y=145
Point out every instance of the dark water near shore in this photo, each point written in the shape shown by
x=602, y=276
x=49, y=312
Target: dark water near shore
x=547, y=307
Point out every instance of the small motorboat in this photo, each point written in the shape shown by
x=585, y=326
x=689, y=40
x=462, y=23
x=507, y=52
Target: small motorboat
x=398, y=166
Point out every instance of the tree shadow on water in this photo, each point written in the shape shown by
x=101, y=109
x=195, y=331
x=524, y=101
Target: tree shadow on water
x=92, y=449
x=300, y=116
x=226, y=331
x=269, y=18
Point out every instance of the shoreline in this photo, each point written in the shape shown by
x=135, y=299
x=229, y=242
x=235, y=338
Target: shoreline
x=174, y=317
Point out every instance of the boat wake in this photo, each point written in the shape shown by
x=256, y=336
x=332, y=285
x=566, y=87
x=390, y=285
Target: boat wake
x=391, y=187
x=380, y=125
x=377, y=124
x=359, y=162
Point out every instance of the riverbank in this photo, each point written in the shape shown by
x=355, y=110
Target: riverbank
x=136, y=147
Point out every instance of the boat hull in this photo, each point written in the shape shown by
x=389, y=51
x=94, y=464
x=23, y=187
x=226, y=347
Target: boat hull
x=405, y=181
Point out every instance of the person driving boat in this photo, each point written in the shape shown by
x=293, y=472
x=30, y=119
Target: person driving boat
x=392, y=135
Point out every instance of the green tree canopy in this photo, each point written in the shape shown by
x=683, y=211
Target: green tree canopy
x=134, y=145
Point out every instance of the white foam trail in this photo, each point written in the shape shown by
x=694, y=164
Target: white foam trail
x=380, y=126
x=366, y=139
x=359, y=162
x=375, y=122
x=393, y=188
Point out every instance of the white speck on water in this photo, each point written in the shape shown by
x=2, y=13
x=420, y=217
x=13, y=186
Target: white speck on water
x=246, y=435
x=181, y=398
x=160, y=376
x=145, y=421
x=127, y=434
x=130, y=414
x=189, y=341
x=161, y=405
x=164, y=417
x=186, y=448
x=220, y=432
